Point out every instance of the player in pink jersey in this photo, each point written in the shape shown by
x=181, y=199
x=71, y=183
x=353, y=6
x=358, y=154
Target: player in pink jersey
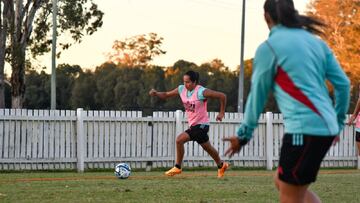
x=194, y=98
x=356, y=116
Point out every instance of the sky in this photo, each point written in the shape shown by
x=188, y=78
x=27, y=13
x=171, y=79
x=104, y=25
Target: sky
x=194, y=30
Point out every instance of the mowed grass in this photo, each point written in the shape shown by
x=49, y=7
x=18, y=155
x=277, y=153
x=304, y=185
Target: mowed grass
x=191, y=186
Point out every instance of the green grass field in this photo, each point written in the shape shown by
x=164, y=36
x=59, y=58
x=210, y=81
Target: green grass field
x=191, y=186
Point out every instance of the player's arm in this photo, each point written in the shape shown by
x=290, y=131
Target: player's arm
x=208, y=93
x=261, y=84
x=164, y=95
x=341, y=84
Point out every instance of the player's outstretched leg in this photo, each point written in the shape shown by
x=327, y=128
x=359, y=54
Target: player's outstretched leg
x=180, y=141
x=222, y=165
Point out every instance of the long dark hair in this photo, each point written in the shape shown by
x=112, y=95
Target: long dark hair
x=284, y=12
x=194, y=76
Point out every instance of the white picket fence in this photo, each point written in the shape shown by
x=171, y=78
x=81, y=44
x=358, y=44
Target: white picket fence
x=64, y=139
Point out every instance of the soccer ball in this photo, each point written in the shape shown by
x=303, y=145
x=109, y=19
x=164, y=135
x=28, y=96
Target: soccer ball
x=122, y=171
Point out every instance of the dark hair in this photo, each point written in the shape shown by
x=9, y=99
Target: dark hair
x=284, y=12
x=194, y=76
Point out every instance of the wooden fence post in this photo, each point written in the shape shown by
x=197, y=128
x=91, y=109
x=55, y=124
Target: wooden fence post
x=269, y=141
x=149, y=147
x=178, y=128
x=80, y=140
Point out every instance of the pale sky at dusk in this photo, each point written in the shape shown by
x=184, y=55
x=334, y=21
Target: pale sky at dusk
x=193, y=30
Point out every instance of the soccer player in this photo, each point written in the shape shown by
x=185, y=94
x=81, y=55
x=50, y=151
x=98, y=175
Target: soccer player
x=194, y=98
x=356, y=116
x=294, y=63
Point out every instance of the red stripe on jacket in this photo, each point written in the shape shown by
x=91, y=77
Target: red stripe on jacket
x=286, y=84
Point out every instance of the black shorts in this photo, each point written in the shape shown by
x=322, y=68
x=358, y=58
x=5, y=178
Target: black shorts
x=198, y=133
x=301, y=157
x=357, y=137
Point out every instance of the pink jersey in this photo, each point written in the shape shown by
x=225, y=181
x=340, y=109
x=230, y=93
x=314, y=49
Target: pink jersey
x=358, y=121
x=196, y=110
x=358, y=117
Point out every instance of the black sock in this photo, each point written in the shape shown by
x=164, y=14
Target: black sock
x=220, y=165
x=178, y=166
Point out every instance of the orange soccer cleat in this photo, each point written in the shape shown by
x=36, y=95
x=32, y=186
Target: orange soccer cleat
x=173, y=171
x=222, y=170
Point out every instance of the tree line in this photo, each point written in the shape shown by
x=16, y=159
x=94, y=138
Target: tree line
x=120, y=87
x=25, y=30
x=123, y=82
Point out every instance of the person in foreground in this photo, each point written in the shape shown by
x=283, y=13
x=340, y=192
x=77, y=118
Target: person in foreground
x=194, y=98
x=356, y=116
x=294, y=63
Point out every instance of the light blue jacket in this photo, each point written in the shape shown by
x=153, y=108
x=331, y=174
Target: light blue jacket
x=294, y=64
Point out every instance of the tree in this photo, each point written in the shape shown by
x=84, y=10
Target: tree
x=83, y=92
x=7, y=95
x=37, y=95
x=128, y=87
x=342, y=32
x=66, y=76
x=106, y=79
x=28, y=25
x=218, y=64
x=4, y=26
x=135, y=51
x=152, y=77
x=215, y=75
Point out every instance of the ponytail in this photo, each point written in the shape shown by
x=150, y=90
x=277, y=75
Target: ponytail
x=284, y=12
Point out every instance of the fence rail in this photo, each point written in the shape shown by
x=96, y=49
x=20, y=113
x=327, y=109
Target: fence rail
x=64, y=139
